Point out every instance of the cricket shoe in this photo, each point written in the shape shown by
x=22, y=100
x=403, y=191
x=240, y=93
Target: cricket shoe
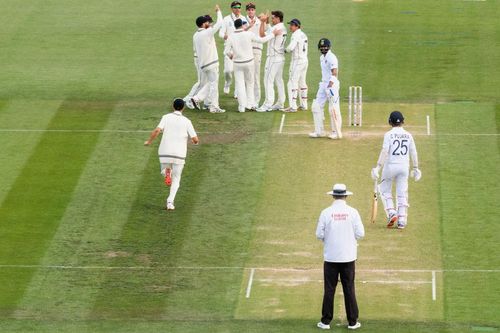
x=355, y=326
x=189, y=104
x=170, y=206
x=277, y=107
x=217, y=110
x=303, y=107
x=168, y=177
x=289, y=110
x=401, y=225
x=195, y=103
x=323, y=326
x=393, y=218
x=315, y=135
x=263, y=108
x=333, y=136
x=241, y=109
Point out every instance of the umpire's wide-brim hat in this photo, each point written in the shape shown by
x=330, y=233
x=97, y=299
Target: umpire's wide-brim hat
x=339, y=190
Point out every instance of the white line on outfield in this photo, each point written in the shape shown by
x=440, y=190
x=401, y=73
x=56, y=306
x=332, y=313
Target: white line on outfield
x=282, y=123
x=250, y=281
x=270, y=280
x=347, y=134
x=433, y=285
x=270, y=269
x=14, y=130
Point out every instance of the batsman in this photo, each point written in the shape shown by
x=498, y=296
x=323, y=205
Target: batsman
x=329, y=88
x=397, y=149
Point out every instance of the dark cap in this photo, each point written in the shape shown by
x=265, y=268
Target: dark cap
x=295, y=22
x=209, y=18
x=250, y=5
x=235, y=3
x=178, y=104
x=396, y=118
x=200, y=20
x=238, y=23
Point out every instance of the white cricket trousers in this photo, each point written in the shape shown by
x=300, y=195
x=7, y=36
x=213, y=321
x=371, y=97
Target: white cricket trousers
x=324, y=95
x=228, y=71
x=197, y=85
x=273, y=74
x=257, y=60
x=244, y=84
x=397, y=173
x=297, y=86
x=210, y=90
x=176, y=178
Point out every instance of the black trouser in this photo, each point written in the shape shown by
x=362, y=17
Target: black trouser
x=331, y=271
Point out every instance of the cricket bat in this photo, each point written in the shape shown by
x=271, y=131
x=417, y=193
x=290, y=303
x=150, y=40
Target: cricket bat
x=374, y=202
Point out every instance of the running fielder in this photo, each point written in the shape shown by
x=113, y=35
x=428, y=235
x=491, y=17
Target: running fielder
x=328, y=91
x=173, y=147
x=397, y=149
x=298, y=67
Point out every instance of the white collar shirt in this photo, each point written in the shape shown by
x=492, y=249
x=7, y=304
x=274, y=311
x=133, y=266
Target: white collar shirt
x=177, y=129
x=328, y=62
x=298, y=46
x=339, y=227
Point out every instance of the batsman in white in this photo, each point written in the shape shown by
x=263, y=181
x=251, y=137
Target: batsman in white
x=254, y=26
x=275, y=62
x=226, y=30
x=239, y=49
x=208, y=61
x=394, y=157
x=328, y=91
x=298, y=67
x=173, y=147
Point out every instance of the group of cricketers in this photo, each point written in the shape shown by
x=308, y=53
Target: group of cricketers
x=244, y=37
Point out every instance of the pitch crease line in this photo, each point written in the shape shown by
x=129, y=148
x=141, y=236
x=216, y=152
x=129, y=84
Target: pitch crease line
x=270, y=269
x=433, y=285
x=250, y=281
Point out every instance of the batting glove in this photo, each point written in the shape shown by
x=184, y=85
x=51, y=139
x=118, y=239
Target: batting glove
x=375, y=173
x=416, y=174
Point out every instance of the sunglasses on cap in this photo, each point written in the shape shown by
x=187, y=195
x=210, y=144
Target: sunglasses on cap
x=237, y=7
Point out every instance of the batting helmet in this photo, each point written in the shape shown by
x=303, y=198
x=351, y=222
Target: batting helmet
x=396, y=118
x=324, y=45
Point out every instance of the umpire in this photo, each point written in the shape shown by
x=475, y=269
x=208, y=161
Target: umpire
x=339, y=227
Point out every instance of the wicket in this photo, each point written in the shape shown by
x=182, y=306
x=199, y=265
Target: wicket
x=355, y=105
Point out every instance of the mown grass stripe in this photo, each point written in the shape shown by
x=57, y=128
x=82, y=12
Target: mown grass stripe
x=16, y=148
x=469, y=196
x=93, y=220
x=31, y=211
x=209, y=226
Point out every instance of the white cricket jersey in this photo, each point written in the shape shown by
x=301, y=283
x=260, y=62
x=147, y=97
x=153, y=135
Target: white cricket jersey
x=177, y=129
x=339, y=227
x=255, y=30
x=328, y=62
x=298, y=46
x=228, y=25
x=204, y=44
x=399, y=145
x=276, y=45
x=240, y=45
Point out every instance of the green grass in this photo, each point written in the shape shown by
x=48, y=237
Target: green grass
x=249, y=197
